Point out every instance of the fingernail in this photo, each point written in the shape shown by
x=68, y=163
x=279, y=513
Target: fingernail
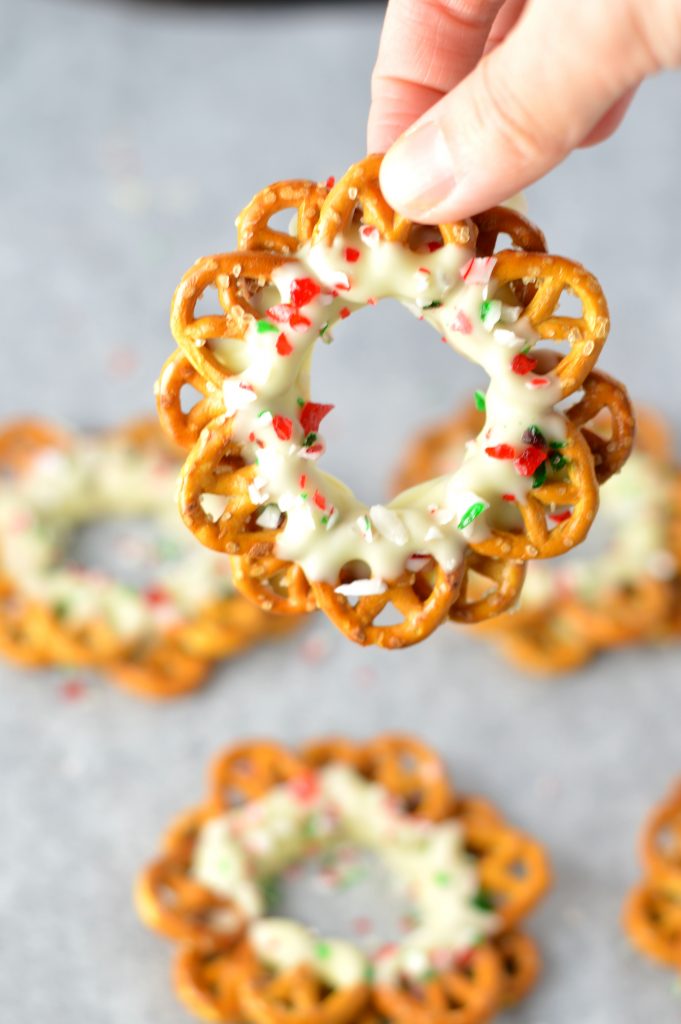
x=417, y=172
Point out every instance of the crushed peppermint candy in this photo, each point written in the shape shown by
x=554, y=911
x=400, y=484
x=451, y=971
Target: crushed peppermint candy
x=478, y=270
x=462, y=323
x=237, y=395
x=369, y=235
x=362, y=588
x=269, y=517
x=389, y=524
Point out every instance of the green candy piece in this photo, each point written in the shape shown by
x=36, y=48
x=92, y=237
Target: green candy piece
x=470, y=514
x=482, y=900
x=480, y=401
x=265, y=327
x=322, y=951
x=539, y=476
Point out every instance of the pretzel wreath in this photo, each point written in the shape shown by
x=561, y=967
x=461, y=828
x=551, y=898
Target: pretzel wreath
x=298, y=537
x=652, y=913
x=268, y=809
x=569, y=613
x=158, y=643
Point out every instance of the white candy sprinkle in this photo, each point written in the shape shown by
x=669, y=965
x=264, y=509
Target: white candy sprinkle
x=491, y=315
x=257, y=492
x=269, y=517
x=389, y=524
x=363, y=527
x=505, y=337
x=237, y=395
x=362, y=588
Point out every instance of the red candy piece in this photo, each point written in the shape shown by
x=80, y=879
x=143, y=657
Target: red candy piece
x=351, y=255
x=560, y=517
x=312, y=414
x=523, y=364
x=284, y=346
x=319, y=500
x=302, y=483
x=529, y=460
x=344, y=313
x=305, y=787
x=330, y=182
x=155, y=595
x=501, y=451
x=303, y=291
x=281, y=314
x=508, y=497
x=283, y=427
x=298, y=321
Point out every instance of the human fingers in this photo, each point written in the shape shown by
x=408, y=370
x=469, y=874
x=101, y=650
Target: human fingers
x=535, y=97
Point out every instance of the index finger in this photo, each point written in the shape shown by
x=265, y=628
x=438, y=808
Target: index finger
x=427, y=47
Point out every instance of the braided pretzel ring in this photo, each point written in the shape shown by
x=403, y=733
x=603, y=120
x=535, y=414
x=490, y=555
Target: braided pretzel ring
x=521, y=963
x=422, y=599
x=466, y=995
x=208, y=982
x=273, y=584
x=538, y=540
x=174, y=904
x=252, y=224
x=296, y=997
x=554, y=275
x=506, y=579
x=603, y=393
x=183, y=428
x=652, y=918
x=223, y=272
x=661, y=841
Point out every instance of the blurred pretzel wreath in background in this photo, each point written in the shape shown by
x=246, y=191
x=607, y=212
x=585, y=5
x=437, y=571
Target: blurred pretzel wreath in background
x=559, y=495
x=628, y=594
x=222, y=973
x=652, y=914
x=158, y=642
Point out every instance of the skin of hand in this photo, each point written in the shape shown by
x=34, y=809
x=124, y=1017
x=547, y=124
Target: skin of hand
x=474, y=100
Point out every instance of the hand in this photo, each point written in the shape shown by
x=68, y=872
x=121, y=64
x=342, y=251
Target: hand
x=478, y=98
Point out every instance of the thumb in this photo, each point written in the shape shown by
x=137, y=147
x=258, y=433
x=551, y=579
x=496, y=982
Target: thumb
x=527, y=104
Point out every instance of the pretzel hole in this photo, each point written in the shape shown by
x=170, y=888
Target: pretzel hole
x=570, y=305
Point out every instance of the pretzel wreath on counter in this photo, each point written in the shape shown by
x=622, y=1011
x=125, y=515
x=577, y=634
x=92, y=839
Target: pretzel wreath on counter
x=652, y=913
x=631, y=593
x=298, y=537
x=157, y=642
x=470, y=877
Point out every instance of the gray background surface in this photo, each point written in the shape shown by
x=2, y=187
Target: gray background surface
x=131, y=136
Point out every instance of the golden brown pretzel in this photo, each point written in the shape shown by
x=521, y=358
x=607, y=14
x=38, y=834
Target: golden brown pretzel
x=183, y=428
x=652, y=912
x=253, y=230
x=217, y=974
x=466, y=994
